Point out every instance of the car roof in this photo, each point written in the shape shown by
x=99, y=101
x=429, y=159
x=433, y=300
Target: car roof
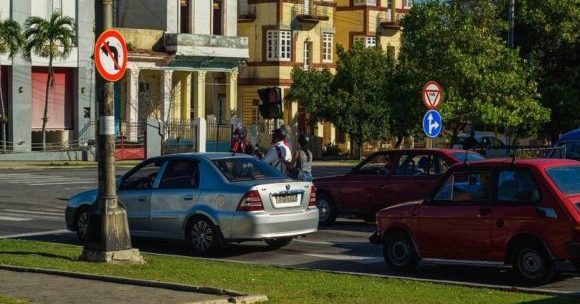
x=206, y=155
x=540, y=163
x=572, y=135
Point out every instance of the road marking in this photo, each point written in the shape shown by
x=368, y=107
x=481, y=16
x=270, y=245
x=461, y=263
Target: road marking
x=315, y=242
x=14, y=219
x=63, y=183
x=35, y=234
x=32, y=212
x=350, y=258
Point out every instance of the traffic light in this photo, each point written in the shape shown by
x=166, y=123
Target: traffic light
x=271, y=103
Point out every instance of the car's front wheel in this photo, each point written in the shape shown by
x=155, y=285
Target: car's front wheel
x=532, y=263
x=82, y=223
x=278, y=242
x=205, y=237
x=399, y=252
x=326, y=209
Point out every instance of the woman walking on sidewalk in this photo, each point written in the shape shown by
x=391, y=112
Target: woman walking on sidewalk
x=303, y=159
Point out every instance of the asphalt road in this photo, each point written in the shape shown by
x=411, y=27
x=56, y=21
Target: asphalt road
x=32, y=206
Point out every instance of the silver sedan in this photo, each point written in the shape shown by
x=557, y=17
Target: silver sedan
x=208, y=200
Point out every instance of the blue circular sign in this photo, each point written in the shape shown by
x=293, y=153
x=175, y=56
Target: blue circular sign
x=432, y=123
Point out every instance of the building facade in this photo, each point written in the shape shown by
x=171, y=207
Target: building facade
x=24, y=83
x=183, y=61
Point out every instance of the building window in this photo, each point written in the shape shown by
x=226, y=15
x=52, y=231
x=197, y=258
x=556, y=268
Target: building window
x=408, y=3
x=366, y=2
x=278, y=45
x=307, y=54
x=366, y=41
x=391, y=51
x=327, y=47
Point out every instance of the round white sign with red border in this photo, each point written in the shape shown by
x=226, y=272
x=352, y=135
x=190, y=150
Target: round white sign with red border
x=432, y=95
x=111, y=55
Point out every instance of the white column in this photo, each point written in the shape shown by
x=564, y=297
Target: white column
x=166, y=86
x=231, y=93
x=199, y=94
x=201, y=133
x=133, y=103
x=186, y=97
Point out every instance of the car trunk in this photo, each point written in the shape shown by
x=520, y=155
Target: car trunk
x=285, y=197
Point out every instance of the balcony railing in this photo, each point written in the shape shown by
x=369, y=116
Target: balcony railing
x=207, y=45
x=246, y=12
x=388, y=22
x=309, y=12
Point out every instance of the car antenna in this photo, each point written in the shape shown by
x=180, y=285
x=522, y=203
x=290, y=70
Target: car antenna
x=465, y=156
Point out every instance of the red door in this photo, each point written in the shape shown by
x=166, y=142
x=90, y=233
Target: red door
x=456, y=223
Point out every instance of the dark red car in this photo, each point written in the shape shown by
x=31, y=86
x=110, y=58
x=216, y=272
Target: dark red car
x=523, y=213
x=384, y=179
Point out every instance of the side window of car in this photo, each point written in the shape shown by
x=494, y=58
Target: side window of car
x=440, y=166
x=180, y=174
x=413, y=164
x=465, y=187
x=143, y=178
x=377, y=165
x=517, y=186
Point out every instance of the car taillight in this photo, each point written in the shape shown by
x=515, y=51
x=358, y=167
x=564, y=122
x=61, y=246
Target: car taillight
x=312, y=202
x=251, y=202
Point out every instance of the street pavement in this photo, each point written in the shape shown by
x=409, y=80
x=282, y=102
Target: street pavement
x=36, y=212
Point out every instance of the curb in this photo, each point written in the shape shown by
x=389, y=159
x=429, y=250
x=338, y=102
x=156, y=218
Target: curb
x=233, y=296
x=528, y=290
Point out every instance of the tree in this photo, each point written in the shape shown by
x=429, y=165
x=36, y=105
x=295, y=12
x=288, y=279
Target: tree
x=461, y=47
x=312, y=89
x=548, y=34
x=11, y=41
x=52, y=39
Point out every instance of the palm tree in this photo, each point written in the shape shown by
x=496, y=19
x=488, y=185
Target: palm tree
x=10, y=42
x=52, y=39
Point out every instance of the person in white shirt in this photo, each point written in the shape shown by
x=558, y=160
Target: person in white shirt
x=279, y=155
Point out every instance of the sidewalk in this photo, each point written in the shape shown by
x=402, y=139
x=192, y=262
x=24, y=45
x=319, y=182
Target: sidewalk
x=49, y=288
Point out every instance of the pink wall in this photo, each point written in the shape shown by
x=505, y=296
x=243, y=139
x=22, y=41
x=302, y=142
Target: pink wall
x=60, y=99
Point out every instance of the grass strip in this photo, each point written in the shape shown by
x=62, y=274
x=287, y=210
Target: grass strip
x=280, y=285
x=10, y=300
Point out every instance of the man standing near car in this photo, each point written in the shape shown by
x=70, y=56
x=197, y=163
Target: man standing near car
x=279, y=155
x=470, y=143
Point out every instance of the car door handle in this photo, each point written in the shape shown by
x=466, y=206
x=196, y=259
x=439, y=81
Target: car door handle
x=188, y=197
x=484, y=212
x=141, y=198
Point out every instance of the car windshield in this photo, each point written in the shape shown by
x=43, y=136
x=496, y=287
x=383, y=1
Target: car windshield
x=244, y=169
x=471, y=156
x=567, y=179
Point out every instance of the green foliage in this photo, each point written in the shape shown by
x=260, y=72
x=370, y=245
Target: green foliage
x=548, y=34
x=484, y=82
x=312, y=89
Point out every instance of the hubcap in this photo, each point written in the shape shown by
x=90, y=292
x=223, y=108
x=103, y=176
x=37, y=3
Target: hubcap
x=201, y=236
x=399, y=252
x=323, y=210
x=82, y=223
x=531, y=264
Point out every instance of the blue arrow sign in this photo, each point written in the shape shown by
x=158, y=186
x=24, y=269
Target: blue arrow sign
x=432, y=123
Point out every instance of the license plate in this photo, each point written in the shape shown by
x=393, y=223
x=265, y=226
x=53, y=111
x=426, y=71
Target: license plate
x=286, y=199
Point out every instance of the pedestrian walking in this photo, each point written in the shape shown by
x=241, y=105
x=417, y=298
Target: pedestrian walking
x=279, y=155
x=303, y=159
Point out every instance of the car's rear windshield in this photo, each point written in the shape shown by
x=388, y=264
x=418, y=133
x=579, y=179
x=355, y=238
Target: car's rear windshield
x=471, y=156
x=244, y=169
x=567, y=179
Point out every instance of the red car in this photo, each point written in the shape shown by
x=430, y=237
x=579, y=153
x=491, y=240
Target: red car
x=384, y=179
x=523, y=213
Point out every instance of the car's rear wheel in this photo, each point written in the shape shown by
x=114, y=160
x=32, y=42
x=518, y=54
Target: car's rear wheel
x=326, y=209
x=399, y=252
x=278, y=242
x=82, y=223
x=532, y=263
x=205, y=237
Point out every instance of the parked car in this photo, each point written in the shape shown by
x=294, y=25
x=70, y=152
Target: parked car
x=383, y=179
x=525, y=214
x=487, y=144
x=208, y=200
x=570, y=142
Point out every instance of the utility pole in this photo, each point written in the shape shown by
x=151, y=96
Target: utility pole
x=108, y=238
x=511, y=13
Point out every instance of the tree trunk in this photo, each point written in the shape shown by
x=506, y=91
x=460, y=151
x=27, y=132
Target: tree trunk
x=2, y=114
x=44, y=118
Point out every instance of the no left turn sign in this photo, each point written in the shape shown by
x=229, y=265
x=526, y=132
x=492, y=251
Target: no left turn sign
x=111, y=55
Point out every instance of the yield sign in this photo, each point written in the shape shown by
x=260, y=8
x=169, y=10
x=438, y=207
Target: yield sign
x=111, y=55
x=432, y=94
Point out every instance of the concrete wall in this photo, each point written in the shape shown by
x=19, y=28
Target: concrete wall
x=202, y=12
x=143, y=39
x=85, y=91
x=142, y=14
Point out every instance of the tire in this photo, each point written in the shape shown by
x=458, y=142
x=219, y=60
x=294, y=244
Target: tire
x=204, y=237
x=326, y=209
x=532, y=263
x=576, y=264
x=82, y=222
x=399, y=252
x=278, y=242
